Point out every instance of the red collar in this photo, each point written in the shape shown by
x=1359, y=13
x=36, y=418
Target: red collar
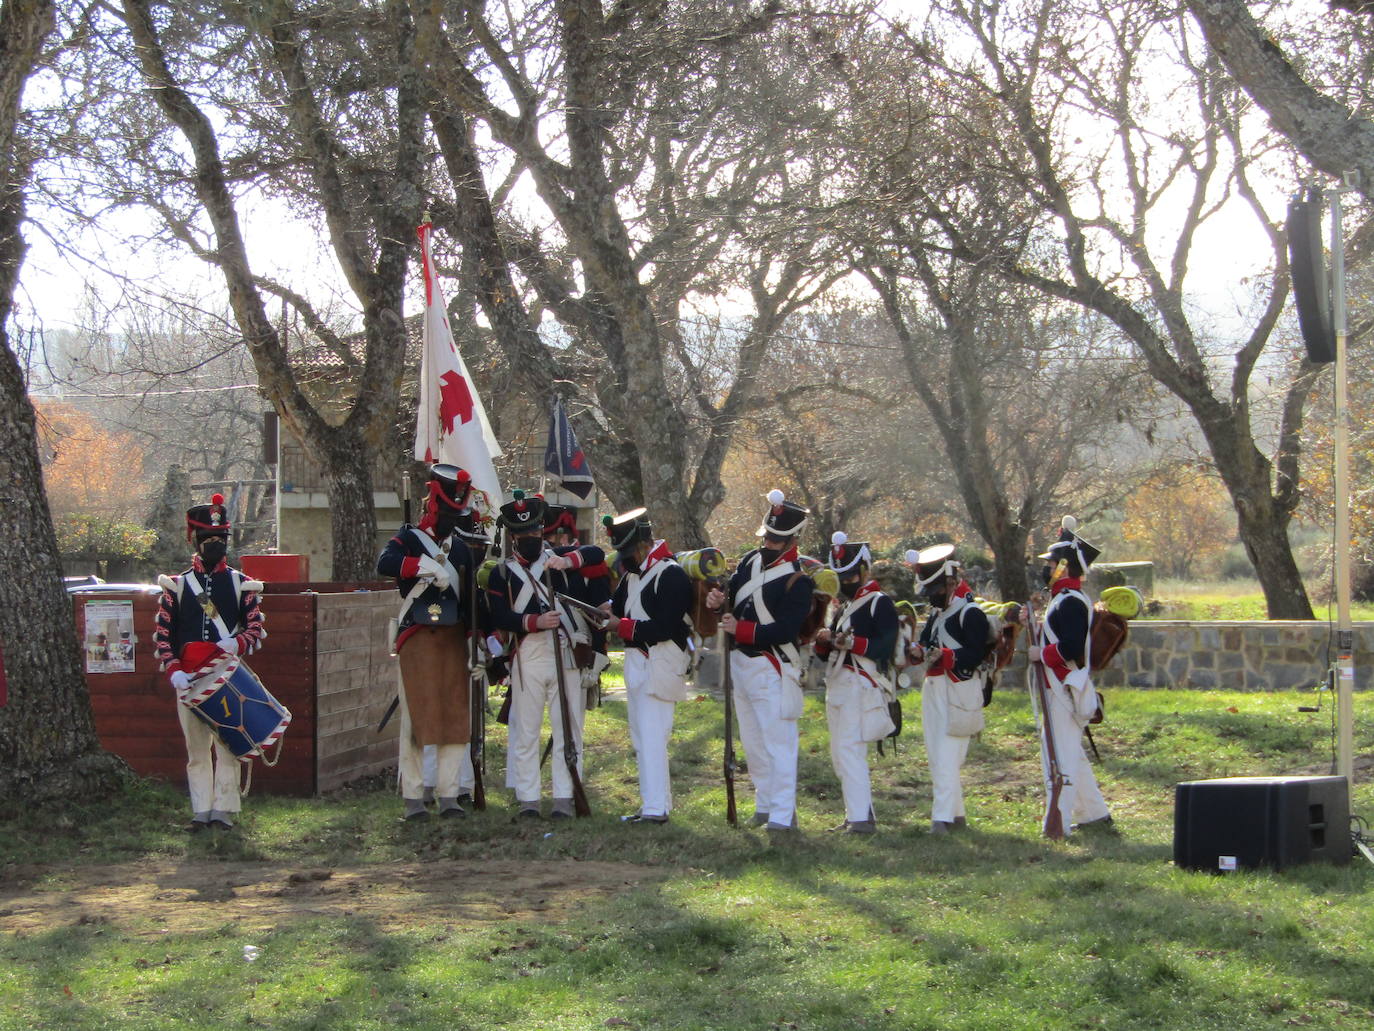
x=867, y=589
x=963, y=590
x=790, y=555
x=1067, y=583
x=198, y=564
x=656, y=554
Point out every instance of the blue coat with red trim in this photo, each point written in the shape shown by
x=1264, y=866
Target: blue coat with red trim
x=787, y=599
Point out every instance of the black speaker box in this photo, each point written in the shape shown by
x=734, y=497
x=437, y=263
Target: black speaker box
x=1311, y=286
x=1261, y=821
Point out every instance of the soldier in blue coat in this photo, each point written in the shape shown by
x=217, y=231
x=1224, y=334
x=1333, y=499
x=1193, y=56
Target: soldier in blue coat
x=769, y=598
x=432, y=567
x=858, y=645
x=652, y=604
x=210, y=603
x=952, y=645
x=522, y=597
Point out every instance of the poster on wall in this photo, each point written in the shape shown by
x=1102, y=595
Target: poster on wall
x=109, y=643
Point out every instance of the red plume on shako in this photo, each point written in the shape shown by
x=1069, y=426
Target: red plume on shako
x=210, y=520
x=846, y=554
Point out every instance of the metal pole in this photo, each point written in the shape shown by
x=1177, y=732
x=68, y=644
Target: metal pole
x=1345, y=632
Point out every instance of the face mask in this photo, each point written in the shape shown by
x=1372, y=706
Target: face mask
x=849, y=588
x=212, y=551
x=529, y=548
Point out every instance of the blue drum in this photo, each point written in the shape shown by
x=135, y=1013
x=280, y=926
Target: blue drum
x=228, y=696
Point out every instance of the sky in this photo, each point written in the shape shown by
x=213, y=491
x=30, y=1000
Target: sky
x=54, y=281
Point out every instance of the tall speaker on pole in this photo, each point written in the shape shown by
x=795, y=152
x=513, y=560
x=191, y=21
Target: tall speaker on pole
x=1311, y=286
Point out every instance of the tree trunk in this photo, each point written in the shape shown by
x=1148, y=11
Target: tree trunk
x=352, y=516
x=1264, y=533
x=49, y=751
x=1009, y=555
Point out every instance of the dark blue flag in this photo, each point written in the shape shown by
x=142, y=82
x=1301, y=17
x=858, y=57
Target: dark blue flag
x=563, y=459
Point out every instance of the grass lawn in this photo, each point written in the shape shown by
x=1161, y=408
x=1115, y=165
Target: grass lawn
x=1233, y=599
x=111, y=917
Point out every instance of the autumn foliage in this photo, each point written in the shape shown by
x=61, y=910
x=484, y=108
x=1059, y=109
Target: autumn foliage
x=1180, y=519
x=95, y=482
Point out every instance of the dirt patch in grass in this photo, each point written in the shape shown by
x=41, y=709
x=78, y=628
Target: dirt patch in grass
x=154, y=898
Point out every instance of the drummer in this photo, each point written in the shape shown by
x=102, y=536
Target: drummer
x=210, y=602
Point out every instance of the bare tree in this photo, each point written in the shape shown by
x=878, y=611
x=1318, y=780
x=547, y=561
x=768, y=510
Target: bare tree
x=49, y=751
x=267, y=100
x=1110, y=127
x=643, y=135
x=1324, y=128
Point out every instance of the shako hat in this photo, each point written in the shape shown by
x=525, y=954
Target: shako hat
x=471, y=526
x=210, y=520
x=1070, y=543
x=628, y=528
x=559, y=518
x=846, y=554
x=933, y=563
x=523, y=512
x=785, y=518
x=449, y=484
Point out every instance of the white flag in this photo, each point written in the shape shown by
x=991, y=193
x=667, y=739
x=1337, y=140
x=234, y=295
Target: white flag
x=451, y=424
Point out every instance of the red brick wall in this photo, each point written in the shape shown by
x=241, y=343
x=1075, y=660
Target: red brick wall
x=135, y=713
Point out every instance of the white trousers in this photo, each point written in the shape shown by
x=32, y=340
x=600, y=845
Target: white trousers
x=844, y=692
x=413, y=760
x=944, y=753
x=1081, y=799
x=430, y=765
x=651, y=726
x=212, y=771
x=768, y=731
x=534, y=686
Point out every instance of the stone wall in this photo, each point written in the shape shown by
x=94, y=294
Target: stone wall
x=1233, y=656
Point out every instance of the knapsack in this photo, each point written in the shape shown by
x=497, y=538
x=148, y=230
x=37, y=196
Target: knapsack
x=1003, y=626
x=1108, y=627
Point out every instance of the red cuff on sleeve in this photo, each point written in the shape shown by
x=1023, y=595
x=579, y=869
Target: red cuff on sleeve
x=744, y=631
x=1050, y=656
x=626, y=629
x=529, y=623
x=172, y=667
x=410, y=567
x=944, y=664
x=860, y=646
x=575, y=557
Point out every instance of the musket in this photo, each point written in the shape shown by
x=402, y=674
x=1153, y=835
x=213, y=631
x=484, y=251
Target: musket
x=405, y=518
x=723, y=647
x=599, y=616
x=477, y=699
x=580, y=805
x=1054, y=819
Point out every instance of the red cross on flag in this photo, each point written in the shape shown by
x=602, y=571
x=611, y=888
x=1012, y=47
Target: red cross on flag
x=450, y=423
